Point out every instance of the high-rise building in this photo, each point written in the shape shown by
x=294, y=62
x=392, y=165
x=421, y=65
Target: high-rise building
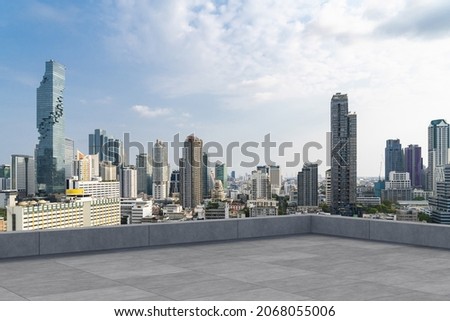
x=343, y=157
x=86, y=167
x=128, y=182
x=261, y=188
x=206, y=177
x=221, y=173
x=328, y=187
x=275, y=178
x=97, y=143
x=438, y=151
x=23, y=175
x=393, y=157
x=69, y=157
x=5, y=171
x=108, y=171
x=160, y=170
x=440, y=203
x=414, y=165
x=191, y=172
x=50, y=150
x=114, y=152
x=308, y=186
x=144, y=174
x=174, y=182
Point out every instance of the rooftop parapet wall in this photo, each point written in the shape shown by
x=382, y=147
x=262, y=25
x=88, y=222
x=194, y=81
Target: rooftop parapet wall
x=23, y=244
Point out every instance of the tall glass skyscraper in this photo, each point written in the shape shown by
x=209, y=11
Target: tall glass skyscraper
x=50, y=150
x=343, y=157
x=393, y=157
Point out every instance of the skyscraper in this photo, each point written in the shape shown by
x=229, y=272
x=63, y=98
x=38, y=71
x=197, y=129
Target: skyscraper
x=221, y=173
x=50, y=150
x=144, y=174
x=393, y=156
x=23, y=175
x=97, y=143
x=261, y=188
x=438, y=151
x=128, y=182
x=5, y=171
x=343, y=157
x=414, y=165
x=191, y=172
x=307, y=186
x=160, y=170
x=69, y=157
x=174, y=182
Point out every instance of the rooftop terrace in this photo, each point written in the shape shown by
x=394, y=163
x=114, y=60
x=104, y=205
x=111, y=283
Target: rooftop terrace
x=304, y=257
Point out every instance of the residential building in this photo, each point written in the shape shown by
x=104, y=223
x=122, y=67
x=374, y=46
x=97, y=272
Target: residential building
x=217, y=210
x=275, y=179
x=262, y=207
x=191, y=182
x=328, y=187
x=261, y=188
x=174, y=182
x=23, y=175
x=108, y=171
x=50, y=150
x=160, y=170
x=393, y=156
x=174, y=212
x=86, y=167
x=308, y=186
x=135, y=210
x=343, y=157
x=128, y=182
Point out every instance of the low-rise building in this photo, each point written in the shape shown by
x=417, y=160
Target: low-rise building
x=262, y=207
x=217, y=210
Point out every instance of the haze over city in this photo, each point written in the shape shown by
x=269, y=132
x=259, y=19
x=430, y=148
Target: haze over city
x=228, y=70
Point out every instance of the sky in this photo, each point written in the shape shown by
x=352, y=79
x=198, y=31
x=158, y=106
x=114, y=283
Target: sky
x=229, y=71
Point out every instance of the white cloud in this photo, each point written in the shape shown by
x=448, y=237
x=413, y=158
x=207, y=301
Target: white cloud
x=148, y=112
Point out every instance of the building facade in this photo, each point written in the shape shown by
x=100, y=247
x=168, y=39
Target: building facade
x=261, y=188
x=414, y=165
x=191, y=181
x=23, y=175
x=50, y=150
x=160, y=161
x=393, y=157
x=144, y=174
x=440, y=202
x=438, y=152
x=128, y=182
x=308, y=186
x=343, y=157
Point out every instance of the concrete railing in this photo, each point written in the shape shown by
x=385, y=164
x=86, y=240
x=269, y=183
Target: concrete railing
x=20, y=244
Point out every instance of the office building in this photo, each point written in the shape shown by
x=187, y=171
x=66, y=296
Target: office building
x=261, y=188
x=23, y=175
x=50, y=150
x=108, y=171
x=343, y=157
x=135, y=210
x=97, y=144
x=440, y=203
x=398, y=187
x=438, y=151
x=208, y=177
x=328, y=187
x=275, y=179
x=128, y=182
x=191, y=181
x=307, y=186
x=175, y=182
x=414, y=165
x=393, y=157
x=160, y=170
x=69, y=157
x=94, y=188
x=221, y=173
x=5, y=171
x=217, y=210
x=144, y=174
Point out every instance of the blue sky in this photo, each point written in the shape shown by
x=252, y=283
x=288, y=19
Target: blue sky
x=228, y=70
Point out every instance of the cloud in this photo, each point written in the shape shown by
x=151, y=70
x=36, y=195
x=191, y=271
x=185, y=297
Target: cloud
x=148, y=112
x=429, y=20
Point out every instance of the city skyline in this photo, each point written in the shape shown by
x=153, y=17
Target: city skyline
x=159, y=83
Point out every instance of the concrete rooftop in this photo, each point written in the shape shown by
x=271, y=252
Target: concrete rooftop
x=299, y=267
